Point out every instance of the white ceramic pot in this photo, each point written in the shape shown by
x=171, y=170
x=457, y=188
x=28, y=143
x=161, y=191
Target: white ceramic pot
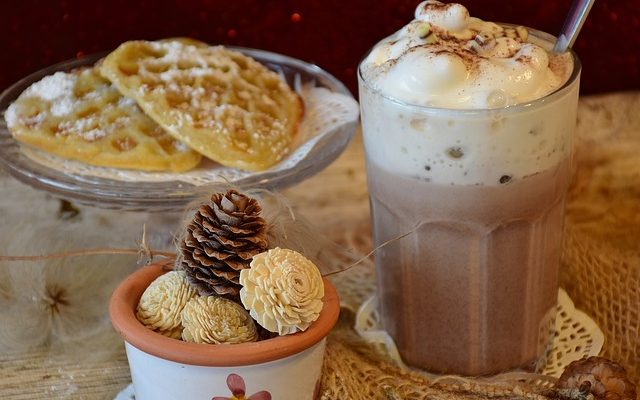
x=283, y=368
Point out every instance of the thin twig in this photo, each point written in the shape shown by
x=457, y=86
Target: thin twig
x=141, y=251
x=369, y=254
x=79, y=253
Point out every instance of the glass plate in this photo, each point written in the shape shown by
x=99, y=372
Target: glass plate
x=170, y=195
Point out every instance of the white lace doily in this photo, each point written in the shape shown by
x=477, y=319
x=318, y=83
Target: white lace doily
x=324, y=112
x=576, y=335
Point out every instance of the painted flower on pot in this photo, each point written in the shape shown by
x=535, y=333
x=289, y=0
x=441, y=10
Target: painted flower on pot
x=238, y=390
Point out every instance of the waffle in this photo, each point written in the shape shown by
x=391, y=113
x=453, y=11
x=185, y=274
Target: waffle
x=80, y=115
x=221, y=103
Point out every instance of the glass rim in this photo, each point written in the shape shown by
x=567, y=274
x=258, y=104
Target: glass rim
x=558, y=92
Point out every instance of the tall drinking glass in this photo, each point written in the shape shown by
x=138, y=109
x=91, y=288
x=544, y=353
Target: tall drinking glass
x=473, y=289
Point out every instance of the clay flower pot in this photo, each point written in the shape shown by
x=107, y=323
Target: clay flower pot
x=282, y=368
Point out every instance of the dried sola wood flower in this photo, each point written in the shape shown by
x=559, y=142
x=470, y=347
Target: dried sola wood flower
x=282, y=290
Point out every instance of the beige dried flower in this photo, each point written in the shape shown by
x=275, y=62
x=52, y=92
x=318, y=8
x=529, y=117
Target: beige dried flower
x=216, y=320
x=282, y=290
x=175, y=333
x=162, y=302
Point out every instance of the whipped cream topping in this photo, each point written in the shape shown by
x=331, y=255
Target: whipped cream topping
x=446, y=58
x=449, y=61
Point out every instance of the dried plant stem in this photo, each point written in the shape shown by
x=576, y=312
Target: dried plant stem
x=143, y=251
x=79, y=253
x=369, y=254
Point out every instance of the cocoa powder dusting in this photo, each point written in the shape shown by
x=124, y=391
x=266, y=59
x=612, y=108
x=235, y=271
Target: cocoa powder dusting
x=470, y=59
x=437, y=6
x=524, y=59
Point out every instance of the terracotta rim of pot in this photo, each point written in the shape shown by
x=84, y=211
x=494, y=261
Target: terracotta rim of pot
x=122, y=309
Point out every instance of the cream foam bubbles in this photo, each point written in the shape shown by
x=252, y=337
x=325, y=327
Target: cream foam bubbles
x=446, y=58
x=479, y=147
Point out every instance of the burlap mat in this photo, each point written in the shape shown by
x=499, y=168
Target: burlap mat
x=601, y=266
x=601, y=270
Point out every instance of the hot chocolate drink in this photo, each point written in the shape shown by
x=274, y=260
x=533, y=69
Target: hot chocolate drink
x=467, y=128
x=473, y=289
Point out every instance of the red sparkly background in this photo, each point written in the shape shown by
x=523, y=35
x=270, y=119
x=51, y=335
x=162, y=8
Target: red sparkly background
x=334, y=34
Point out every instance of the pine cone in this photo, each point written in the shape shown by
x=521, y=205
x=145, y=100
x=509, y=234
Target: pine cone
x=603, y=378
x=220, y=241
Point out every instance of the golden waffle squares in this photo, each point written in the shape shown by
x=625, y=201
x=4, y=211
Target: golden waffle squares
x=221, y=103
x=80, y=115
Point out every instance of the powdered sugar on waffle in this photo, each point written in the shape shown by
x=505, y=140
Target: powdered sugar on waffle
x=175, y=51
x=56, y=89
x=173, y=54
x=11, y=116
x=88, y=127
x=125, y=102
x=173, y=74
x=63, y=106
x=53, y=87
x=81, y=116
